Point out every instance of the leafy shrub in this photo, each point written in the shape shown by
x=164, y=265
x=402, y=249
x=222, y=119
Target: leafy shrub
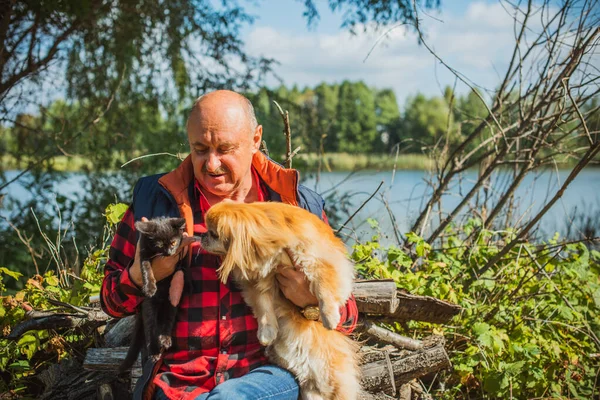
x=22, y=358
x=529, y=325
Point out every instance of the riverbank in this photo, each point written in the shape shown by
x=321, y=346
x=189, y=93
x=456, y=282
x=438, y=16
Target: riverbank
x=305, y=162
x=333, y=162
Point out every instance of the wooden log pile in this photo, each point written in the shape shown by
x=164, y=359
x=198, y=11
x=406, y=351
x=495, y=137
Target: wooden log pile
x=390, y=362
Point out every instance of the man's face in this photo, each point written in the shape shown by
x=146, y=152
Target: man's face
x=222, y=144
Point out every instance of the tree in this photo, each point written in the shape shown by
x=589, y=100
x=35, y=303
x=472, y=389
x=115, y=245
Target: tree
x=361, y=12
x=327, y=103
x=388, y=115
x=426, y=121
x=356, y=118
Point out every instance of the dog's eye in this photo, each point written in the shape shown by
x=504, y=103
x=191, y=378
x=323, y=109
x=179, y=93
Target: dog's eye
x=212, y=234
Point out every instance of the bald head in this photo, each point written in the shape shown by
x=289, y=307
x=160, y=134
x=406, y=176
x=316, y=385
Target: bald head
x=224, y=137
x=220, y=100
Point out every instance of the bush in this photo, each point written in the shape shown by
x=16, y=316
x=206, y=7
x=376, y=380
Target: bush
x=23, y=358
x=528, y=326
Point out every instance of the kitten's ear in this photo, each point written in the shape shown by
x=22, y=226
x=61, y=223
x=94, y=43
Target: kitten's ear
x=145, y=227
x=178, y=223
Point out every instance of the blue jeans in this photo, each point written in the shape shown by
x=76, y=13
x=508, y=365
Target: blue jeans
x=266, y=382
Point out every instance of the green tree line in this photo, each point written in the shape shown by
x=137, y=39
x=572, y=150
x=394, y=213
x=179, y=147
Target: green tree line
x=349, y=117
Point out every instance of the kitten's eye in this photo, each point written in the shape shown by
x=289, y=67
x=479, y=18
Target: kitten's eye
x=173, y=242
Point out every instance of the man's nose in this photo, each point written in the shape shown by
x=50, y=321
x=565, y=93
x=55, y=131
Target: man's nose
x=213, y=163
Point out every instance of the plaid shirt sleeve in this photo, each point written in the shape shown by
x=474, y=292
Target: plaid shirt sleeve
x=349, y=317
x=119, y=295
x=349, y=312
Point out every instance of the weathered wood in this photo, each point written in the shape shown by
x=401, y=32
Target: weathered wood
x=376, y=370
x=119, y=332
x=36, y=320
x=405, y=367
x=376, y=297
x=381, y=297
x=106, y=358
x=423, y=308
x=105, y=392
x=387, y=336
x=68, y=381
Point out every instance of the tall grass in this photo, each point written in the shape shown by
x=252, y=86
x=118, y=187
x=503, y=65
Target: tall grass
x=349, y=162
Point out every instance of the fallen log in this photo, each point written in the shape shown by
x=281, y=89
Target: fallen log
x=376, y=297
x=36, y=320
x=424, y=309
x=405, y=366
x=381, y=297
x=377, y=371
x=385, y=370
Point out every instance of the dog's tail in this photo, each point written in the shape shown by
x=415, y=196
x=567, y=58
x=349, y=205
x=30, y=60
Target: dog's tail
x=137, y=341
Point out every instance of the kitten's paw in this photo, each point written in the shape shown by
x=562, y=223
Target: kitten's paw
x=154, y=358
x=330, y=316
x=165, y=341
x=267, y=334
x=149, y=289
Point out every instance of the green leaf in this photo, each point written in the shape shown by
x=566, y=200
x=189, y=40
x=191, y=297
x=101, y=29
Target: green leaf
x=28, y=344
x=480, y=328
x=13, y=274
x=22, y=364
x=114, y=212
x=51, y=280
x=373, y=223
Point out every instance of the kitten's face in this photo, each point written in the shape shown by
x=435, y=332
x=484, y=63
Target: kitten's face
x=164, y=234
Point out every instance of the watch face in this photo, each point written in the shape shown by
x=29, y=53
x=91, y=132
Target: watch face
x=311, y=313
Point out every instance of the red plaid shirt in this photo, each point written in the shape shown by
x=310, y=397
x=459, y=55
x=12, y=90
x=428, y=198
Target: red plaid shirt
x=214, y=338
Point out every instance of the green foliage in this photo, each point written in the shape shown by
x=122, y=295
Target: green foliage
x=22, y=358
x=528, y=326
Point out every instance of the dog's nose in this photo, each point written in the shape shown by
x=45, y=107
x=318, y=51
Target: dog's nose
x=199, y=236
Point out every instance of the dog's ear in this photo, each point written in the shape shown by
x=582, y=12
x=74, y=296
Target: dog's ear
x=224, y=224
x=235, y=232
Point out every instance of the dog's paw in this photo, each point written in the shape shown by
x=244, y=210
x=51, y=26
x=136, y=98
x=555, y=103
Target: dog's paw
x=330, y=316
x=165, y=341
x=267, y=334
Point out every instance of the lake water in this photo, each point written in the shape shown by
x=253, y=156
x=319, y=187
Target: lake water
x=407, y=191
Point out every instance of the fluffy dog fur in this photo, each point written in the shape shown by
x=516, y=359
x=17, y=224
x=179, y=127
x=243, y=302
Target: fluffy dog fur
x=253, y=239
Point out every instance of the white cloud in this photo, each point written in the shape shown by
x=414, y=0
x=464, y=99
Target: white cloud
x=478, y=43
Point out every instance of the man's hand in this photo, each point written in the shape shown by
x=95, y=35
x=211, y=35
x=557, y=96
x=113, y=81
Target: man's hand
x=162, y=267
x=295, y=286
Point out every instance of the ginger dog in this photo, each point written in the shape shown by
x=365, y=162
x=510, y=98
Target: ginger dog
x=254, y=239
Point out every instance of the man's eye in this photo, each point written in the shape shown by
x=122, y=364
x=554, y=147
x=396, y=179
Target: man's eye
x=200, y=151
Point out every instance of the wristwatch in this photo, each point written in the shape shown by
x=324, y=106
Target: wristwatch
x=311, y=313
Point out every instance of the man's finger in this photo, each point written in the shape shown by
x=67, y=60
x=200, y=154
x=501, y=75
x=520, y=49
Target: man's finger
x=186, y=241
x=283, y=281
x=144, y=219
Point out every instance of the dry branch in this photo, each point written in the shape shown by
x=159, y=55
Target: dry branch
x=287, y=131
x=386, y=336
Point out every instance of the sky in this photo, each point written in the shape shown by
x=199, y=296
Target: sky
x=473, y=37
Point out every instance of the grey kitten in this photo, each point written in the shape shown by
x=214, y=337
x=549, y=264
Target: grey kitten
x=158, y=237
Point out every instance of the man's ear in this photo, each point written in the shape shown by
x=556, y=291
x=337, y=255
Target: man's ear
x=257, y=138
x=145, y=227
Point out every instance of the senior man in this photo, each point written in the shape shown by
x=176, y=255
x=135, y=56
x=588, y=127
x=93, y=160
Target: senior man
x=215, y=352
